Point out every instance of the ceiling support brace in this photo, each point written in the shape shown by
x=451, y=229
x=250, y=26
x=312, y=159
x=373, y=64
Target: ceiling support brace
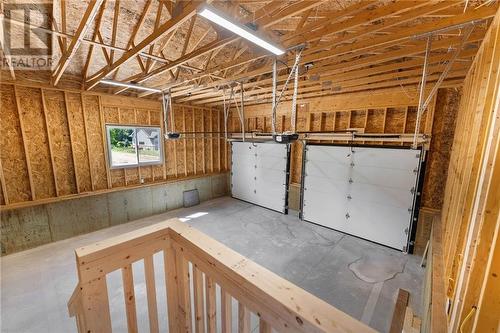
x=276, y=99
x=241, y=111
x=166, y=103
x=423, y=102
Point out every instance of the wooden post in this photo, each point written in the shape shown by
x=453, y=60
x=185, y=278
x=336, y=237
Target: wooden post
x=211, y=304
x=243, y=318
x=195, y=160
x=226, y=309
x=105, y=142
x=149, y=273
x=84, y=114
x=49, y=139
x=172, y=281
x=25, y=146
x=71, y=142
x=199, y=318
x=184, y=141
x=96, y=305
x=129, y=294
x=204, y=140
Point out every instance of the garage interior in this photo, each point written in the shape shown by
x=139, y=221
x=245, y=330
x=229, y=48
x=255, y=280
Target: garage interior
x=250, y=166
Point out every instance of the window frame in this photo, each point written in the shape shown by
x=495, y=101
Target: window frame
x=135, y=128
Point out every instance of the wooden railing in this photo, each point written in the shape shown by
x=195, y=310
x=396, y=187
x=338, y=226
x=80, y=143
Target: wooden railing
x=194, y=265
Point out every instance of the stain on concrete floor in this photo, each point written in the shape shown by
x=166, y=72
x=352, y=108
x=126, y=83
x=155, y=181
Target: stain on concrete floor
x=354, y=275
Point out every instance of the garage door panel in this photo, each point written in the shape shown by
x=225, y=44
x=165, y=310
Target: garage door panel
x=371, y=193
x=404, y=179
x=402, y=159
x=339, y=156
x=326, y=185
x=384, y=227
x=327, y=170
x=271, y=162
x=315, y=212
x=375, y=204
x=259, y=173
x=271, y=176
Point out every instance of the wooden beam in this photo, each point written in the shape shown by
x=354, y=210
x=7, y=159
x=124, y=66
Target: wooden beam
x=87, y=18
x=71, y=143
x=188, y=12
x=25, y=145
x=49, y=139
x=94, y=38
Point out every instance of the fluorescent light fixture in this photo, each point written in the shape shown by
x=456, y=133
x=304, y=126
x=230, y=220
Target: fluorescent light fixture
x=129, y=85
x=217, y=17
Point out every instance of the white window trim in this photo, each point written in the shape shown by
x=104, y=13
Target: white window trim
x=135, y=165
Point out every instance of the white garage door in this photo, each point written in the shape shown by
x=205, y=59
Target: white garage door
x=259, y=173
x=365, y=192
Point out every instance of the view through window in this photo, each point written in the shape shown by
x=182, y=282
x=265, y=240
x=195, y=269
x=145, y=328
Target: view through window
x=131, y=146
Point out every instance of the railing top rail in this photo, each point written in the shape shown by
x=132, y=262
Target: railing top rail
x=284, y=305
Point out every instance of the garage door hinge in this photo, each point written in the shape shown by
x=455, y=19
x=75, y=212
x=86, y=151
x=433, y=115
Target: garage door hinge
x=409, y=210
x=351, y=181
x=415, y=171
x=412, y=190
x=406, y=231
x=352, y=164
x=347, y=216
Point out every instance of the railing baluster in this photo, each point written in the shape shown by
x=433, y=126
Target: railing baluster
x=198, y=300
x=226, y=311
x=264, y=327
x=184, y=297
x=243, y=318
x=128, y=289
x=172, y=289
x=151, y=293
x=96, y=306
x=211, y=305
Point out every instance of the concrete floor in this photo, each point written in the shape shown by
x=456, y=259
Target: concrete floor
x=356, y=276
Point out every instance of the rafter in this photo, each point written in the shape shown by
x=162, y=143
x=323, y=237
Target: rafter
x=94, y=38
x=75, y=42
x=166, y=27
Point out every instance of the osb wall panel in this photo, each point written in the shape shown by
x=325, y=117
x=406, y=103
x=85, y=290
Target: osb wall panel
x=36, y=139
x=443, y=129
x=13, y=156
x=78, y=141
x=57, y=122
x=95, y=142
x=54, y=143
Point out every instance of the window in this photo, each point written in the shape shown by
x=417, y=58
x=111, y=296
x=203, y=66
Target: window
x=133, y=146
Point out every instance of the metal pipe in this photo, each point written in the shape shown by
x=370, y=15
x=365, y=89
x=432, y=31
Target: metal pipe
x=295, y=92
x=448, y=66
x=422, y=90
x=275, y=82
x=242, y=111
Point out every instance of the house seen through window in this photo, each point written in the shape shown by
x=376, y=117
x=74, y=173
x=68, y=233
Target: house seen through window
x=132, y=146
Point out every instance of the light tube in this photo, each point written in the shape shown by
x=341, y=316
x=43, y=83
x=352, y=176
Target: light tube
x=128, y=85
x=210, y=14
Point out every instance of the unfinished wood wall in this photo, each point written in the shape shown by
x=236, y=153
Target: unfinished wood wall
x=53, y=144
x=470, y=215
x=386, y=111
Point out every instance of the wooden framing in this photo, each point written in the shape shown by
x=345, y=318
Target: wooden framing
x=466, y=243
x=256, y=289
x=87, y=166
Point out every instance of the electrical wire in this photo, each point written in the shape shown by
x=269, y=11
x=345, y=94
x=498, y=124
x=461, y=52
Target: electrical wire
x=466, y=319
